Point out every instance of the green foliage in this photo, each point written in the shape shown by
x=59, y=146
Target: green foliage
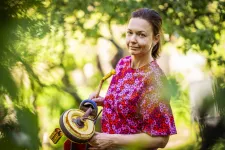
x=31, y=128
x=199, y=22
x=43, y=44
x=7, y=84
x=181, y=108
x=219, y=145
x=20, y=129
x=173, y=88
x=219, y=93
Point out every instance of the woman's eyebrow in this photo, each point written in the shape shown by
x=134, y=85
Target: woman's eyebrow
x=136, y=31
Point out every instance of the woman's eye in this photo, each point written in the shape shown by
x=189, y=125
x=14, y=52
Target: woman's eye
x=141, y=35
x=129, y=33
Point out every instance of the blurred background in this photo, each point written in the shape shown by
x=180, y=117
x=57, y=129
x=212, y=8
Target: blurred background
x=53, y=54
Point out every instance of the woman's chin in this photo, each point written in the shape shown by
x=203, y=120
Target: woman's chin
x=132, y=52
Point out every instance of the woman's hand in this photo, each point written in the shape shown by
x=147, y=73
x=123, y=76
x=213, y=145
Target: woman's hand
x=100, y=141
x=98, y=100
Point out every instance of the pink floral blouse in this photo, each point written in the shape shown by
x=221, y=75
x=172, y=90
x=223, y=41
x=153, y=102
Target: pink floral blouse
x=134, y=102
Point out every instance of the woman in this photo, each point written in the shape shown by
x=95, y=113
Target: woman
x=135, y=109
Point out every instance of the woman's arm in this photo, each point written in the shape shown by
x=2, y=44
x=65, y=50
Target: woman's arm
x=142, y=140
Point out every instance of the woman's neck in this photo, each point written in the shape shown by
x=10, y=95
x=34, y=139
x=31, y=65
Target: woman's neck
x=139, y=61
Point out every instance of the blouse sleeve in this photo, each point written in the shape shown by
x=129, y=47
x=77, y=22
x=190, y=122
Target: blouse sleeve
x=155, y=109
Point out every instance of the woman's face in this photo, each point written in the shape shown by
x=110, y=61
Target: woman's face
x=139, y=37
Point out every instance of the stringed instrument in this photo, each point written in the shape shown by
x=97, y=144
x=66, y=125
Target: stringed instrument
x=78, y=125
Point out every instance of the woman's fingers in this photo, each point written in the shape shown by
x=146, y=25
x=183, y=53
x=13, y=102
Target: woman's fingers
x=93, y=140
x=92, y=95
x=100, y=141
x=99, y=99
x=96, y=133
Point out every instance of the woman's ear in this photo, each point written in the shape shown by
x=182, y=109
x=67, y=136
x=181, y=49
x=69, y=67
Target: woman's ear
x=156, y=39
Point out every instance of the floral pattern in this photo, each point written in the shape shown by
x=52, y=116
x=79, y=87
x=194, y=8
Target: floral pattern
x=135, y=102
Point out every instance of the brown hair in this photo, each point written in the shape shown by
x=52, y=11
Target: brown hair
x=155, y=20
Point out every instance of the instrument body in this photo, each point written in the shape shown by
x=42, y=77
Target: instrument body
x=83, y=131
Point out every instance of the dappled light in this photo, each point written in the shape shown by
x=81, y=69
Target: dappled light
x=53, y=55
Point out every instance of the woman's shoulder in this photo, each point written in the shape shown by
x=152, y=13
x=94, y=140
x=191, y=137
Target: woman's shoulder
x=157, y=75
x=124, y=61
x=156, y=69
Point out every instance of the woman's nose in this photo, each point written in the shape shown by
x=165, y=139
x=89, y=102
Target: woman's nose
x=133, y=38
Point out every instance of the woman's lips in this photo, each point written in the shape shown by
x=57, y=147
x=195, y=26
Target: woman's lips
x=134, y=48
